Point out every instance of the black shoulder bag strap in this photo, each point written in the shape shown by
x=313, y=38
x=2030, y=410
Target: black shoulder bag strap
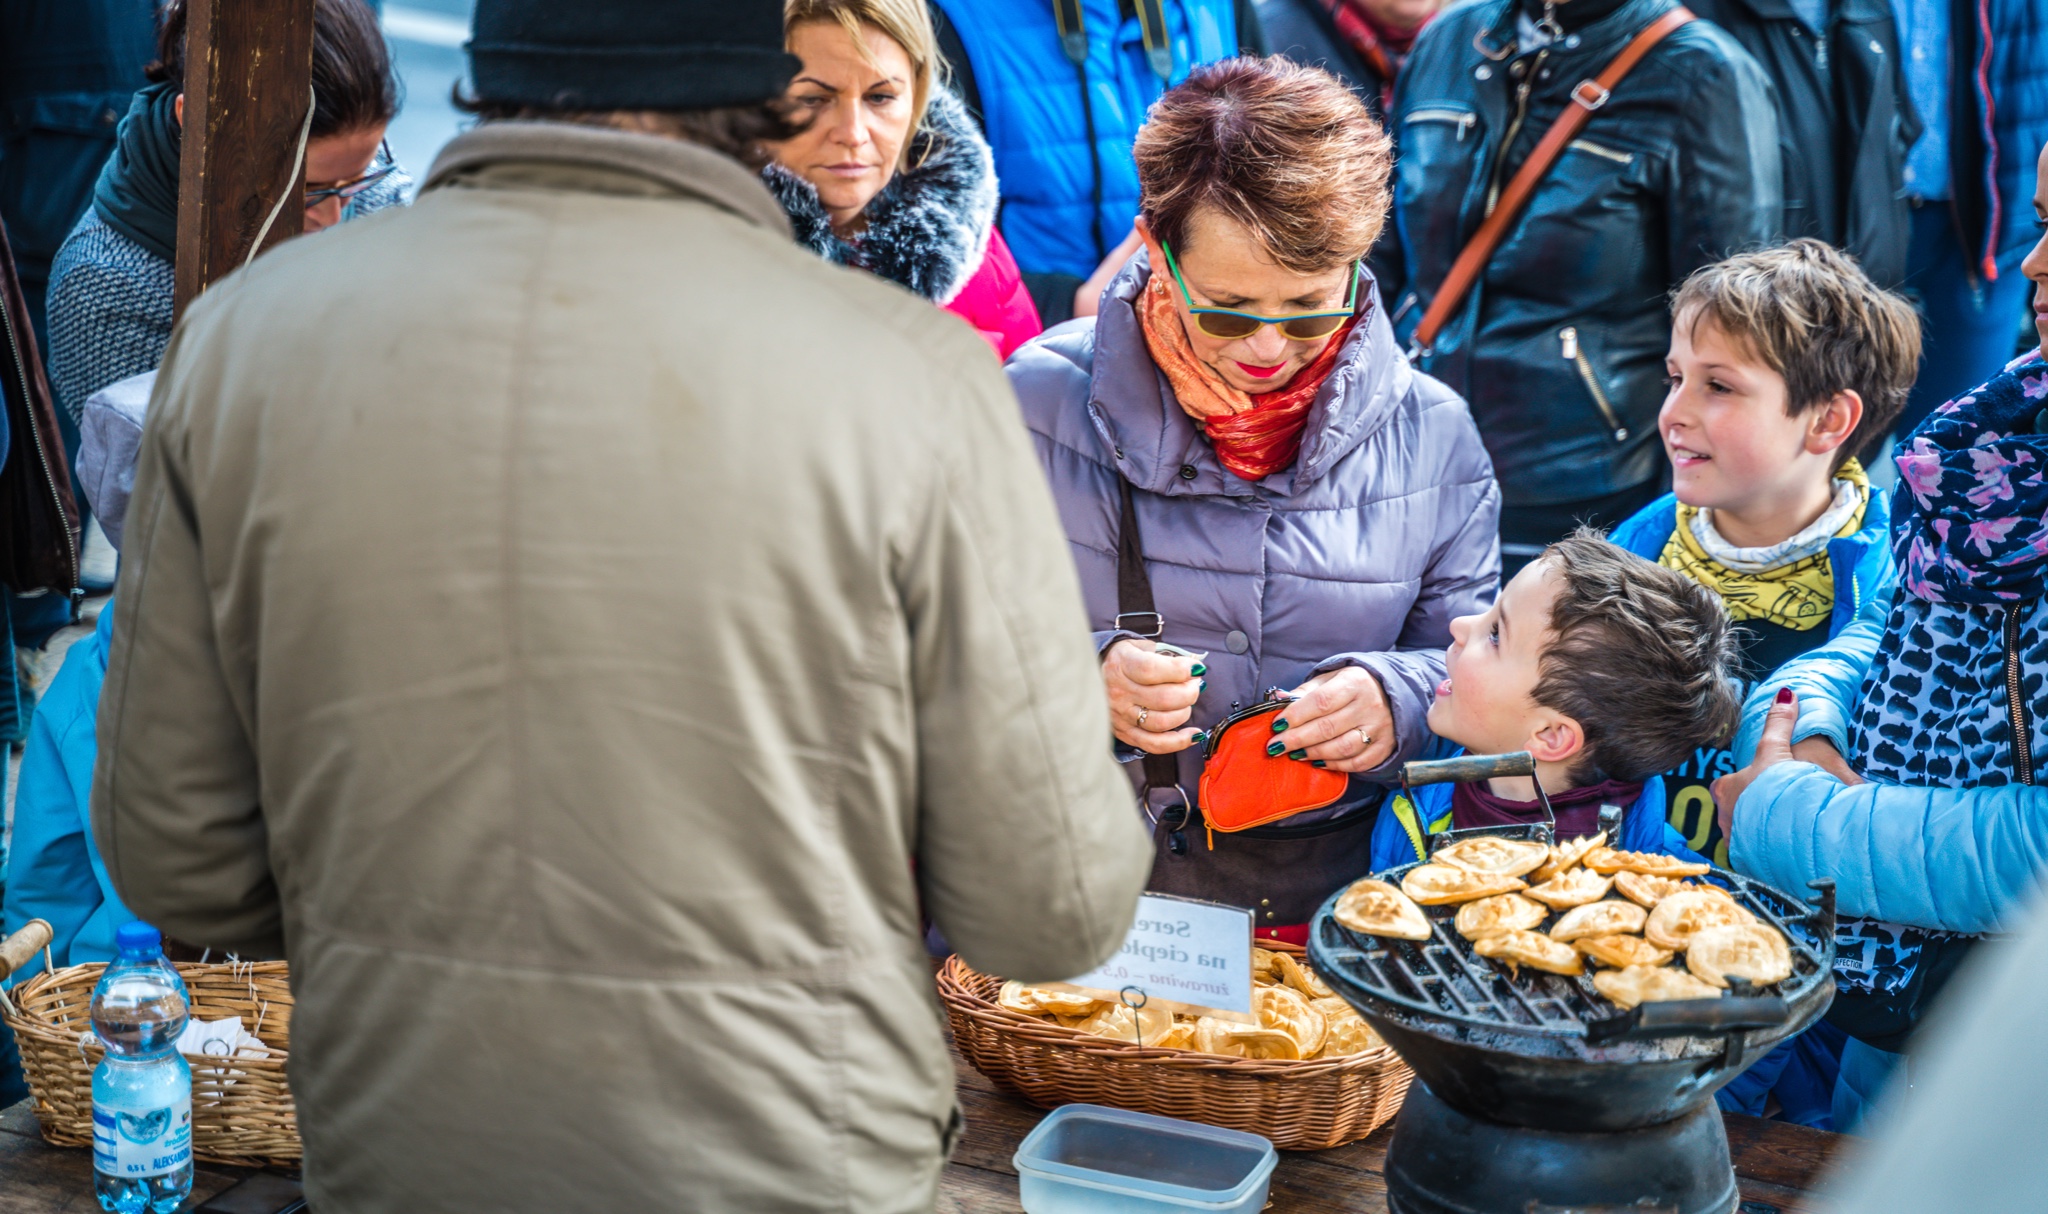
x=1136, y=613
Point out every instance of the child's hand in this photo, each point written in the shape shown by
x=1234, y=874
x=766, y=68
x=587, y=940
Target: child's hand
x=1773, y=747
x=1339, y=720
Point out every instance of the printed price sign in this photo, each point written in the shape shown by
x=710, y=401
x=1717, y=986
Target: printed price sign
x=1181, y=954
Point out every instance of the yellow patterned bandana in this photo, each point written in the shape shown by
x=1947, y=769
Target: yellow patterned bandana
x=1790, y=584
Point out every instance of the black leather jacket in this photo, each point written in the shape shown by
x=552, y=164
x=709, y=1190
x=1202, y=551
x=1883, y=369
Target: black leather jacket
x=1844, y=118
x=1560, y=345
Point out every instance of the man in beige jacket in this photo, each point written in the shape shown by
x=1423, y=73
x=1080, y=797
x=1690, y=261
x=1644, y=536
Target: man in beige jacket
x=578, y=627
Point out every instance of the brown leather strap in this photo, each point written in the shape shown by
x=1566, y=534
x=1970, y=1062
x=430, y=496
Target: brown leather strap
x=1587, y=96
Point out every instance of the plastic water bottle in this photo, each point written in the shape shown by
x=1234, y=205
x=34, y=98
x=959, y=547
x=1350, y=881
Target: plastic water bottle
x=142, y=1089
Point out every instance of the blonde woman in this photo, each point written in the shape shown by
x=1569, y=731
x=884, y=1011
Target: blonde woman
x=890, y=175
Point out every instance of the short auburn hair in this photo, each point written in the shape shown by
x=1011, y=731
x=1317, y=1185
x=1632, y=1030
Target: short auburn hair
x=1807, y=311
x=1641, y=656
x=1285, y=150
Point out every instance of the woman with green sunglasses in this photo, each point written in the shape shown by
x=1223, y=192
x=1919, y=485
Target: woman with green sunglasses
x=1309, y=513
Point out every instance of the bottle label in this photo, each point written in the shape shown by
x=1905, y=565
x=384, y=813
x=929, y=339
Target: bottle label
x=136, y=1145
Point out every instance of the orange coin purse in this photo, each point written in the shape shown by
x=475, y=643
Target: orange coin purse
x=1243, y=786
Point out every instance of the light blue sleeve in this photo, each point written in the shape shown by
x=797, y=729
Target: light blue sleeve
x=51, y=871
x=1827, y=681
x=1962, y=860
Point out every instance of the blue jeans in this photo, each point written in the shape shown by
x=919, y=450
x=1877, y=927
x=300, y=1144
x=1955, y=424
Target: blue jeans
x=1802, y=1072
x=1969, y=326
x=1866, y=1070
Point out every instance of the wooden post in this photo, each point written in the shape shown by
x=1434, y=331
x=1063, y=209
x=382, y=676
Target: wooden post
x=248, y=74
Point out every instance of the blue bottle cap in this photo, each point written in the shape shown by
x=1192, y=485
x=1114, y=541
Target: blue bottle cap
x=138, y=937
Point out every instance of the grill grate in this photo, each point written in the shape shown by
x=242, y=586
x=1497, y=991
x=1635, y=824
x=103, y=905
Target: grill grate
x=1444, y=979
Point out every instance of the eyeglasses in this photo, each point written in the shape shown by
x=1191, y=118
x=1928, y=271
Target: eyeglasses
x=1226, y=324
x=380, y=168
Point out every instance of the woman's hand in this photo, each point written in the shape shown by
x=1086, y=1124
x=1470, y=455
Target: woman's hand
x=1773, y=747
x=1339, y=720
x=1151, y=696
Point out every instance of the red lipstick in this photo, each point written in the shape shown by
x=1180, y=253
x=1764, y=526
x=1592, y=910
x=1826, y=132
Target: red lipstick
x=1256, y=371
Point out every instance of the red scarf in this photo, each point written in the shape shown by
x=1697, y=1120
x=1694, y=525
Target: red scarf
x=1254, y=436
x=1383, y=50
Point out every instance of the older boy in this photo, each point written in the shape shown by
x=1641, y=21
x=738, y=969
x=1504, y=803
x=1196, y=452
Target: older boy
x=1602, y=665
x=1784, y=363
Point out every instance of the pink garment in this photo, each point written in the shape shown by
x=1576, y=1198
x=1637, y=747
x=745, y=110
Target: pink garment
x=995, y=301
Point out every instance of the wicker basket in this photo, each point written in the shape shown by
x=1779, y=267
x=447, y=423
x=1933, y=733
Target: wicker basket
x=242, y=1112
x=1300, y=1106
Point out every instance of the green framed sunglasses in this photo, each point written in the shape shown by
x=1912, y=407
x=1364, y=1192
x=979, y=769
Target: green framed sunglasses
x=1225, y=324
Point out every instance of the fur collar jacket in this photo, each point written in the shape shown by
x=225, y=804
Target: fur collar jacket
x=928, y=229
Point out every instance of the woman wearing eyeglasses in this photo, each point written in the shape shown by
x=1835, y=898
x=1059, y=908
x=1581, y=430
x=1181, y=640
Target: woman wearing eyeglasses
x=1310, y=513
x=111, y=283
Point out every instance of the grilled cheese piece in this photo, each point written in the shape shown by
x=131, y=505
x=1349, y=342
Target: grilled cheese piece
x=1533, y=949
x=1565, y=857
x=1620, y=952
x=1378, y=909
x=1612, y=917
x=1746, y=950
x=1441, y=884
x=1680, y=917
x=1651, y=984
x=1494, y=855
x=1608, y=860
x=1573, y=887
x=1500, y=913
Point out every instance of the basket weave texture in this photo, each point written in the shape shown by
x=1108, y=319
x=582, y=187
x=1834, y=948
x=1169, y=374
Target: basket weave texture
x=1300, y=1106
x=242, y=1113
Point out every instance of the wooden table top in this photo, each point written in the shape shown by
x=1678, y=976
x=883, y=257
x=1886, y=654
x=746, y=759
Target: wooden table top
x=1778, y=1165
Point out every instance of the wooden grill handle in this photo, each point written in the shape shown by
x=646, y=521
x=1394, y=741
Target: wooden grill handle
x=16, y=950
x=1466, y=768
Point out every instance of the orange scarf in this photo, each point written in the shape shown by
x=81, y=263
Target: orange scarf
x=1254, y=436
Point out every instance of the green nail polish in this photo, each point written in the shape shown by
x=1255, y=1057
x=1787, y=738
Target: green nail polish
x=1199, y=670
x=1279, y=724
x=1200, y=737
x=1203, y=687
x=1274, y=750
x=1317, y=763
x=1297, y=754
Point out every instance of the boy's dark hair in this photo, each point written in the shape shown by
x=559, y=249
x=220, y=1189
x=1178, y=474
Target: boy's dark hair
x=353, y=85
x=1807, y=311
x=1641, y=656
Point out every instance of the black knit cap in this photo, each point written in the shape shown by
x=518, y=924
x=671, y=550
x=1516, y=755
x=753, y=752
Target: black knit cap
x=629, y=54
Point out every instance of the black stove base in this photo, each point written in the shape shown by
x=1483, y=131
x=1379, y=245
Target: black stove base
x=1442, y=1162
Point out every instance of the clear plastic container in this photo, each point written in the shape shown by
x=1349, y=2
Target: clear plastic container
x=1086, y=1159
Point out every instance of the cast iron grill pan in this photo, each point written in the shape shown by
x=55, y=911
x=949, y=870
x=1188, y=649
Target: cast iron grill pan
x=1550, y=1052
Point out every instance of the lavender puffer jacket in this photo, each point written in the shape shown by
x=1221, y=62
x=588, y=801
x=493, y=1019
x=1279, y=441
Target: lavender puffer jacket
x=1360, y=554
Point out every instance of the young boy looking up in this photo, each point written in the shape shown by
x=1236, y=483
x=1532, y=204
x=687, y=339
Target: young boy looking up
x=1602, y=665
x=1784, y=364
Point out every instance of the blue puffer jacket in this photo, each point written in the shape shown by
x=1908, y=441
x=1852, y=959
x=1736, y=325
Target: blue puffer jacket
x=1862, y=563
x=54, y=871
x=1031, y=110
x=1360, y=553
